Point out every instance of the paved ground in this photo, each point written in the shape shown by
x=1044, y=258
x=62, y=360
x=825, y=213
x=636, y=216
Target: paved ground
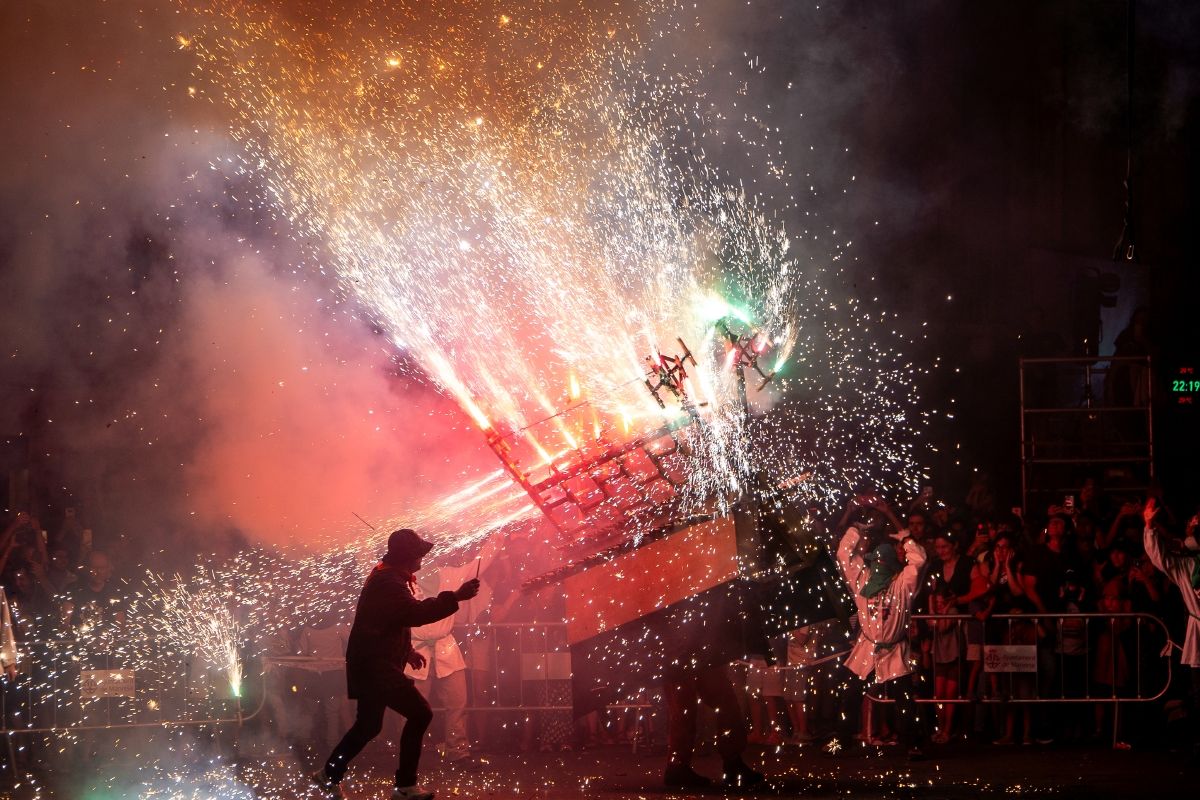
x=956, y=771
x=204, y=772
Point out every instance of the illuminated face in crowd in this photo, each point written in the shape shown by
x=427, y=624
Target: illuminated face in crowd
x=1087, y=493
x=1056, y=529
x=916, y=526
x=1003, y=549
x=1118, y=557
x=99, y=567
x=944, y=548
x=1111, y=600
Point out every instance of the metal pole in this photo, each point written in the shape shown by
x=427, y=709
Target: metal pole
x=1024, y=454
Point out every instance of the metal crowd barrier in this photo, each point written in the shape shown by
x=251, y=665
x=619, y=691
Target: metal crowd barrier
x=68, y=684
x=517, y=666
x=513, y=667
x=1054, y=658
x=1050, y=658
x=518, y=670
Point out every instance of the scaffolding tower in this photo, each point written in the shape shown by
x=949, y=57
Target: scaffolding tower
x=1081, y=418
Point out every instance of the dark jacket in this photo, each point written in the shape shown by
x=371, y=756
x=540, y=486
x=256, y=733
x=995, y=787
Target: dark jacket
x=381, y=637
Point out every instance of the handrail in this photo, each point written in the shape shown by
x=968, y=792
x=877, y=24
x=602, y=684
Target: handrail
x=1135, y=659
x=48, y=689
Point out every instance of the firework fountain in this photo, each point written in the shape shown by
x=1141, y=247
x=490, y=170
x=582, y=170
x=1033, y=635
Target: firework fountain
x=527, y=209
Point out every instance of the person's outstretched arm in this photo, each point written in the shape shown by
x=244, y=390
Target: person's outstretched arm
x=848, y=558
x=1156, y=549
x=406, y=610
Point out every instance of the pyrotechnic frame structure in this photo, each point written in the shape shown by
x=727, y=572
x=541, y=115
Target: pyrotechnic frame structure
x=600, y=490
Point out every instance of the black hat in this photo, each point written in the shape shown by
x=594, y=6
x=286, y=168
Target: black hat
x=404, y=545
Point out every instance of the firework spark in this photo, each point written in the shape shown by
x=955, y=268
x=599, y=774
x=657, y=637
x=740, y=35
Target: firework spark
x=532, y=239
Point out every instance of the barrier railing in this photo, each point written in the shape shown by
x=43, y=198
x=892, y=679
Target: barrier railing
x=515, y=672
x=76, y=685
x=525, y=667
x=511, y=666
x=1049, y=658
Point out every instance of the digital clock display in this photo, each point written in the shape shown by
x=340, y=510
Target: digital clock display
x=1185, y=386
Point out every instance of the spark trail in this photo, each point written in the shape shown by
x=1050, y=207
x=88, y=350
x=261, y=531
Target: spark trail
x=522, y=202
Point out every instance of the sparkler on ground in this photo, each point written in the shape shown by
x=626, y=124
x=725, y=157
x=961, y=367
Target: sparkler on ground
x=198, y=618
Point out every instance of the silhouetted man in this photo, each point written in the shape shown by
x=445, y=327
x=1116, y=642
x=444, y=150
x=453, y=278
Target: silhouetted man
x=379, y=648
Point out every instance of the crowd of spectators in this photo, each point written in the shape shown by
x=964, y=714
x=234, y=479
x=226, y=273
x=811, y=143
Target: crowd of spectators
x=1061, y=605
x=55, y=581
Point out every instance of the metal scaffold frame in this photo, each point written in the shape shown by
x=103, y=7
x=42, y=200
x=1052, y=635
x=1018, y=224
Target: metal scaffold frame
x=1069, y=430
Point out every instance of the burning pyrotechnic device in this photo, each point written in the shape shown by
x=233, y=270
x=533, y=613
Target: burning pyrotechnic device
x=591, y=486
x=670, y=373
x=747, y=345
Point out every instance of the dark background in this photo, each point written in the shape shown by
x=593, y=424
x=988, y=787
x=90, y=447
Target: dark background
x=990, y=142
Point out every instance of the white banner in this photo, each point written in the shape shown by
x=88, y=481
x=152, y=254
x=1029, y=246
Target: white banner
x=1010, y=658
x=107, y=683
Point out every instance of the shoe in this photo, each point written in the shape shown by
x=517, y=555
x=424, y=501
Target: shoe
x=1004, y=740
x=1044, y=740
x=738, y=775
x=940, y=737
x=682, y=776
x=410, y=793
x=327, y=787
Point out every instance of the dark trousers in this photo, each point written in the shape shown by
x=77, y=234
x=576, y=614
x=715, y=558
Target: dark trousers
x=910, y=729
x=849, y=705
x=683, y=687
x=906, y=718
x=404, y=699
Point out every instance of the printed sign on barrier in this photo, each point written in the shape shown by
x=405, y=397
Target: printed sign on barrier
x=107, y=683
x=1010, y=658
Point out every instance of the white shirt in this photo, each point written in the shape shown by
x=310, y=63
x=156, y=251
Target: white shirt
x=1179, y=570
x=882, y=645
x=8, y=641
x=435, y=641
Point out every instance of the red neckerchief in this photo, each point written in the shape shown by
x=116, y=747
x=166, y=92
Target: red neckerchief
x=409, y=577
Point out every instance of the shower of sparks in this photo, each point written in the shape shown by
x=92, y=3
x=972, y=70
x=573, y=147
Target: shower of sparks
x=525, y=205
x=199, y=616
